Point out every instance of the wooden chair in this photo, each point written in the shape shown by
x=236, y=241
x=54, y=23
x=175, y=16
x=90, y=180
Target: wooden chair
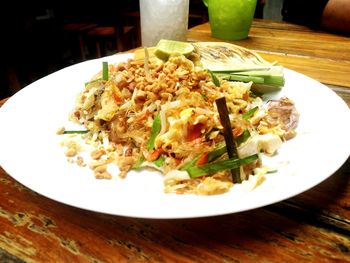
x=102, y=29
x=77, y=32
x=119, y=38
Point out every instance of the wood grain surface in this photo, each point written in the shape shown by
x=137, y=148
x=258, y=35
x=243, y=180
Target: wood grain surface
x=320, y=55
x=313, y=226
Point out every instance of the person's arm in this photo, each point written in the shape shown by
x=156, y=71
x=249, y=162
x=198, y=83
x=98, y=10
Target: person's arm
x=333, y=15
x=336, y=16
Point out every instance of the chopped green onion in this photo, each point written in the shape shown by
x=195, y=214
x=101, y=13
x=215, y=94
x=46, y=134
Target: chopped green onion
x=105, y=72
x=222, y=165
x=216, y=81
x=272, y=171
x=156, y=127
x=217, y=152
x=189, y=164
x=249, y=113
x=75, y=132
x=92, y=81
x=160, y=161
x=139, y=162
x=243, y=137
x=230, y=143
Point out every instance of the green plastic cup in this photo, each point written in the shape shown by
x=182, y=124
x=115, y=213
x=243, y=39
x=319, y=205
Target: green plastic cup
x=230, y=19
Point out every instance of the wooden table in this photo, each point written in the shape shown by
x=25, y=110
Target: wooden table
x=311, y=227
x=322, y=56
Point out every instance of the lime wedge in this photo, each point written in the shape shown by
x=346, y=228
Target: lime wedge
x=166, y=48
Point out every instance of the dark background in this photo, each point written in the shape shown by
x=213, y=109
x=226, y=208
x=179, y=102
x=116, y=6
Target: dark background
x=36, y=41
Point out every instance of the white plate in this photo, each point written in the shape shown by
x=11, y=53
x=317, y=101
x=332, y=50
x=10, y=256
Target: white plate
x=30, y=152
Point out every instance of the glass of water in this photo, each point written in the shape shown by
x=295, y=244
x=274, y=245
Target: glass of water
x=163, y=19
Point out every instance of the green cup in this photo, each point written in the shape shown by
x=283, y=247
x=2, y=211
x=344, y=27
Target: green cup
x=230, y=19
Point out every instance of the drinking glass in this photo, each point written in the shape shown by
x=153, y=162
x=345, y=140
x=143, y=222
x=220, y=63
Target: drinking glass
x=163, y=19
x=230, y=19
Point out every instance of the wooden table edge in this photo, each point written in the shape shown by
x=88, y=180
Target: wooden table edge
x=3, y=101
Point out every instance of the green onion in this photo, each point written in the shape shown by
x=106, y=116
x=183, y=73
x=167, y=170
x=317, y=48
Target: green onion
x=105, y=73
x=160, y=161
x=272, y=171
x=139, y=162
x=222, y=165
x=242, y=78
x=75, y=132
x=217, y=152
x=216, y=81
x=249, y=113
x=230, y=143
x=92, y=81
x=242, y=69
x=243, y=137
x=189, y=164
x=156, y=127
x=265, y=79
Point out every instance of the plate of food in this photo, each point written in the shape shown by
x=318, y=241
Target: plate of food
x=181, y=130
